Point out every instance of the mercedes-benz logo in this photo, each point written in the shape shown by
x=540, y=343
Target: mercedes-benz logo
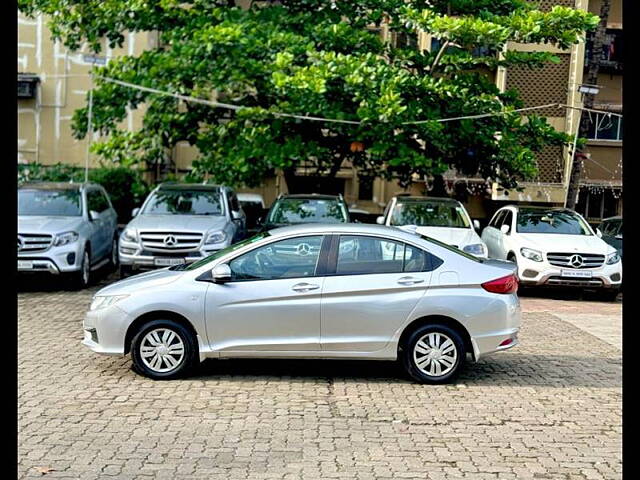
x=576, y=261
x=303, y=249
x=20, y=242
x=170, y=241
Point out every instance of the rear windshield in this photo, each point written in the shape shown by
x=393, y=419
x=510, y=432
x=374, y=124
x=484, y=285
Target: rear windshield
x=429, y=214
x=50, y=203
x=550, y=221
x=295, y=210
x=184, y=202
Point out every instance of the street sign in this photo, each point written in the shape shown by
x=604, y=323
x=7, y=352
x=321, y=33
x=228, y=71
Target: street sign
x=94, y=59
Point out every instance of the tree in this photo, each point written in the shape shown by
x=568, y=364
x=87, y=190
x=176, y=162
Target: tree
x=317, y=58
x=591, y=79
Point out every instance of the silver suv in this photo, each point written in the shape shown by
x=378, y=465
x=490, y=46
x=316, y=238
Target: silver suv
x=180, y=223
x=66, y=228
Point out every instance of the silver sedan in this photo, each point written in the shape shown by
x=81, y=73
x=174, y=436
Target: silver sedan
x=349, y=291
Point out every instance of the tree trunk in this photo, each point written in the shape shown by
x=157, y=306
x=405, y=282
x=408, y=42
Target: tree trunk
x=591, y=79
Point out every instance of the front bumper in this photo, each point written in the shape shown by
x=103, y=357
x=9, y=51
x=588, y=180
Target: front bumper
x=532, y=273
x=105, y=330
x=134, y=256
x=54, y=260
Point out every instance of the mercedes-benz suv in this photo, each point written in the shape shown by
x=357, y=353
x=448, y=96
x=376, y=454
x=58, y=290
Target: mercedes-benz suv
x=66, y=228
x=180, y=223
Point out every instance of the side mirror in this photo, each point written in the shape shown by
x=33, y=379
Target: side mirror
x=135, y=212
x=380, y=220
x=476, y=225
x=221, y=273
x=598, y=232
x=259, y=220
x=93, y=215
x=505, y=229
x=619, y=236
x=236, y=215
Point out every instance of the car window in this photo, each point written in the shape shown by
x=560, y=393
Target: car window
x=302, y=210
x=611, y=227
x=96, y=201
x=185, y=202
x=429, y=214
x=551, y=221
x=290, y=258
x=368, y=255
x=63, y=203
x=507, y=219
x=496, y=221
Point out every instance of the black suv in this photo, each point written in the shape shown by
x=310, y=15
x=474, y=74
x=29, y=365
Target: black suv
x=306, y=208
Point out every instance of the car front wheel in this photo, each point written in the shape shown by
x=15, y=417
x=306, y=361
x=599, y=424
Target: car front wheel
x=163, y=350
x=82, y=278
x=433, y=354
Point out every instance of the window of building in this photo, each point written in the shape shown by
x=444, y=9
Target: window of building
x=365, y=188
x=605, y=127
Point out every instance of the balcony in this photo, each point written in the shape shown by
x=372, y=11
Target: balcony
x=611, y=55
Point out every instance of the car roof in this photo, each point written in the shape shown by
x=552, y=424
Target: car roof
x=57, y=185
x=189, y=186
x=406, y=198
x=250, y=196
x=346, y=228
x=310, y=196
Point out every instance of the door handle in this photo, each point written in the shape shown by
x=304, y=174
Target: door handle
x=409, y=280
x=304, y=287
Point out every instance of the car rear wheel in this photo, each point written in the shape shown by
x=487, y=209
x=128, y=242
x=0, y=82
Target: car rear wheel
x=163, y=350
x=433, y=354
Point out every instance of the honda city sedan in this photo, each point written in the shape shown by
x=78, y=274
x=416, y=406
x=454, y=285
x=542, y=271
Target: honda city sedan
x=348, y=291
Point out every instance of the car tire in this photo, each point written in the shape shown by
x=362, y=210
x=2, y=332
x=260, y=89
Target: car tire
x=113, y=257
x=609, y=295
x=446, y=361
x=82, y=278
x=173, y=360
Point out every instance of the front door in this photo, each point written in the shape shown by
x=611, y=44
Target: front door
x=376, y=284
x=272, y=302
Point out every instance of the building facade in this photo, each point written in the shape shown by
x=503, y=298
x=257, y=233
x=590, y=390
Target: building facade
x=54, y=82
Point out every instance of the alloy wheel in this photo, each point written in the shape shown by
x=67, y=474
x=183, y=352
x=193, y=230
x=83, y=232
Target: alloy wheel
x=162, y=350
x=435, y=354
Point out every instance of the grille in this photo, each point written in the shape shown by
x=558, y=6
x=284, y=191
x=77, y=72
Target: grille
x=574, y=282
x=28, y=242
x=589, y=260
x=170, y=241
x=169, y=254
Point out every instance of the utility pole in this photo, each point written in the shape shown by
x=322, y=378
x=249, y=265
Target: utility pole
x=573, y=186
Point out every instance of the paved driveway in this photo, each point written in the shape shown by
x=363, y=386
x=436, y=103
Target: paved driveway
x=549, y=409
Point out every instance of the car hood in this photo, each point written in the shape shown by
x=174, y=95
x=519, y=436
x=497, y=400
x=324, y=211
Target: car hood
x=552, y=242
x=459, y=237
x=141, y=281
x=50, y=225
x=177, y=223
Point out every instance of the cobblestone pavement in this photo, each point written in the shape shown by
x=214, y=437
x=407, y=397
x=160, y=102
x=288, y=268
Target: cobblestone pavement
x=548, y=409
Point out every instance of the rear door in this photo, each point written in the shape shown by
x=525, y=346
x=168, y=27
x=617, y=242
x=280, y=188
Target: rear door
x=373, y=284
x=490, y=234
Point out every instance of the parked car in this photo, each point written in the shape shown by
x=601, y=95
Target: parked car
x=350, y=291
x=553, y=247
x=254, y=208
x=180, y=223
x=306, y=208
x=611, y=229
x=444, y=219
x=66, y=228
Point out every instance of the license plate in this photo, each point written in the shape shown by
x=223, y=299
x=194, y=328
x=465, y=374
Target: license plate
x=576, y=274
x=166, y=262
x=25, y=264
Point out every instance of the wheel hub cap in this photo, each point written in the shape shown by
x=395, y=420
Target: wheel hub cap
x=435, y=354
x=162, y=350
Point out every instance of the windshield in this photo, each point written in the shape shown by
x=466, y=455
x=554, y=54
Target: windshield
x=52, y=203
x=257, y=237
x=184, y=202
x=294, y=210
x=549, y=221
x=430, y=214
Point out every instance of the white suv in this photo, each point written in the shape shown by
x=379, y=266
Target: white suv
x=553, y=247
x=444, y=219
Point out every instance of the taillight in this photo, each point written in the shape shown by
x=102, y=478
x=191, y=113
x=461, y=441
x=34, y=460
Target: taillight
x=508, y=284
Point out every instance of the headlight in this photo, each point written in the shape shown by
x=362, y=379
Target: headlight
x=215, y=237
x=130, y=235
x=65, y=238
x=531, y=254
x=103, y=301
x=613, y=258
x=475, y=249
